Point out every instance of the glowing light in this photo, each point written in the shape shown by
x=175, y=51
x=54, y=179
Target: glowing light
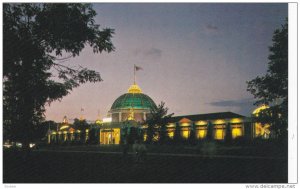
x=116, y=136
x=185, y=134
x=63, y=127
x=171, y=125
x=107, y=120
x=134, y=89
x=201, y=133
x=131, y=114
x=259, y=109
x=7, y=145
x=262, y=130
x=237, y=132
x=201, y=123
x=98, y=121
x=219, y=121
x=185, y=120
x=171, y=134
x=19, y=144
x=236, y=120
x=185, y=124
x=110, y=136
x=219, y=134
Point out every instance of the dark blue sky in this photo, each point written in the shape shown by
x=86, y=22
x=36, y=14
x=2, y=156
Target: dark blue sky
x=195, y=57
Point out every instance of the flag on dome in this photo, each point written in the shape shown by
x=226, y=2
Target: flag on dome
x=137, y=68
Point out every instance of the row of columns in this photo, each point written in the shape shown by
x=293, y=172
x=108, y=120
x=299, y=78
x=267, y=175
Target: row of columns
x=120, y=116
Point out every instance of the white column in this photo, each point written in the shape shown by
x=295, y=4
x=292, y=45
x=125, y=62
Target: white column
x=144, y=116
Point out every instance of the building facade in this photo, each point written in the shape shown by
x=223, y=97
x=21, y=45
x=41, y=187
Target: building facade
x=239, y=126
x=133, y=108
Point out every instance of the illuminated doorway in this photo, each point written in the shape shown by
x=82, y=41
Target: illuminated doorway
x=110, y=136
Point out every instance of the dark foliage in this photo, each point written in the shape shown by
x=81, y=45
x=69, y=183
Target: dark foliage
x=272, y=88
x=37, y=39
x=133, y=135
x=81, y=125
x=157, y=123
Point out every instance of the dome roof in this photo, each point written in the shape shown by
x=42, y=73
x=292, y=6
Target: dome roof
x=133, y=100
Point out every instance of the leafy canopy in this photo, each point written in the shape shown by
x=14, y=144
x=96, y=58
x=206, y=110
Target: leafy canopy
x=157, y=122
x=37, y=39
x=272, y=88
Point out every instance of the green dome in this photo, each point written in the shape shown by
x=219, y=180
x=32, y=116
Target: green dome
x=133, y=100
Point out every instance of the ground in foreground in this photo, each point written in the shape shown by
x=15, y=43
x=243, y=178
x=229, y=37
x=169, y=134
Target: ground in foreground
x=87, y=167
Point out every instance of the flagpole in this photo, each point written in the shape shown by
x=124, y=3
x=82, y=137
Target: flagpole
x=134, y=74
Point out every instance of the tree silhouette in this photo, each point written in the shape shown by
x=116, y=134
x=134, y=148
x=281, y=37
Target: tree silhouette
x=37, y=39
x=157, y=122
x=93, y=136
x=81, y=125
x=272, y=88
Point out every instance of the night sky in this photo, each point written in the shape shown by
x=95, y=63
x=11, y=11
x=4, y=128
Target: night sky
x=195, y=57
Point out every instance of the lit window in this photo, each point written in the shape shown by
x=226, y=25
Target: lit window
x=201, y=133
x=237, y=132
x=171, y=134
x=219, y=134
x=185, y=134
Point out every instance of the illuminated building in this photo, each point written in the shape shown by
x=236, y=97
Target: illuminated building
x=240, y=126
x=133, y=108
x=66, y=133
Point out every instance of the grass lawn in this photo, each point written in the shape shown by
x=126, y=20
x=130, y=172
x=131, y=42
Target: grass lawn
x=264, y=149
x=87, y=167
